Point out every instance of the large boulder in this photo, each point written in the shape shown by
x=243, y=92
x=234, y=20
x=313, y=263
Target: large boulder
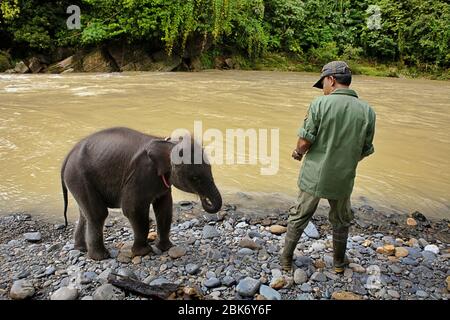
x=71, y=63
x=5, y=61
x=99, y=60
x=21, y=67
x=36, y=65
x=164, y=62
x=130, y=59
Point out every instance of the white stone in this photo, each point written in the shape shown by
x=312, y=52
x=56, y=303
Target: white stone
x=432, y=248
x=65, y=293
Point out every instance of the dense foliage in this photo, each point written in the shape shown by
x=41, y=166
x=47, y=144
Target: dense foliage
x=412, y=32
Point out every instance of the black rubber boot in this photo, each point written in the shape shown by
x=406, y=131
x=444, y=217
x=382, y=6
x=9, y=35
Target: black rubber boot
x=290, y=242
x=339, y=246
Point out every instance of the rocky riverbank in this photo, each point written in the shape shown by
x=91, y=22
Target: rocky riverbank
x=231, y=255
x=111, y=58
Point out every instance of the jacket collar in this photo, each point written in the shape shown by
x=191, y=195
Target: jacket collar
x=347, y=92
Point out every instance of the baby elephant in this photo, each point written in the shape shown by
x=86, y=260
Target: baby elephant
x=123, y=168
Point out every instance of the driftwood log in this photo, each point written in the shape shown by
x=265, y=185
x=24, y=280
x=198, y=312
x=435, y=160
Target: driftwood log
x=164, y=291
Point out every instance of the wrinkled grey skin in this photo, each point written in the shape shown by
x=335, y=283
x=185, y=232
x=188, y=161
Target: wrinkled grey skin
x=123, y=168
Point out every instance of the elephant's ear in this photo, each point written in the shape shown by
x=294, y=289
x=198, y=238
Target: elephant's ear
x=159, y=152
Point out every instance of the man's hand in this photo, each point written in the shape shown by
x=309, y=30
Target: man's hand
x=297, y=156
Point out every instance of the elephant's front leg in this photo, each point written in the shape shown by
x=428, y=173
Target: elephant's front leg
x=137, y=213
x=163, y=213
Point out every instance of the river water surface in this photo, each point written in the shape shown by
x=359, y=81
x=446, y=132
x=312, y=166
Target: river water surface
x=43, y=116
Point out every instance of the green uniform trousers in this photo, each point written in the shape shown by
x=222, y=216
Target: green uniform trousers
x=340, y=214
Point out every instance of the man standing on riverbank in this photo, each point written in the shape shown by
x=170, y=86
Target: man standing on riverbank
x=336, y=134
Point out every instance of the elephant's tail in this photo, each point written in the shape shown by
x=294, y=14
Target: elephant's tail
x=64, y=189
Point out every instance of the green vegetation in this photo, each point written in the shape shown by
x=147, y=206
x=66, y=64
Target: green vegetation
x=413, y=36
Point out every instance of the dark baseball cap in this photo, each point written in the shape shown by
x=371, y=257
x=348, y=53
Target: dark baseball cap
x=332, y=68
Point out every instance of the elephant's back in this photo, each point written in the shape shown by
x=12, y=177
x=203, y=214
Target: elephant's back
x=103, y=160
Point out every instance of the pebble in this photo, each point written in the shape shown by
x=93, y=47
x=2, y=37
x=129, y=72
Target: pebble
x=331, y=276
x=311, y=231
x=344, y=295
x=447, y=282
x=318, y=276
x=432, y=248
x=319, y=264
x=305, y=296
x=421, y=294
x=254, y=234
x=423, y=243
x=328, y=259
x=411, y=222
x=23, y=274
x=177, y=252
x=269, y=293
x=192, y=268
x=241, y=225
x=277, y=229
x=245, y=252
x=305, y=287
x=65, y=293
x=409, y=261
x=318, y=246
x=108, y=292
x=401, y=252
x=33, y=236
x=228, y=281
x=300, y=276
x=59, y=226
x=413, y=242
x=127, y=273
x=49, y=270
x=14, y=243
x=395, y=269
x=74, y=254
x=394, y=294
x=152, y=236
x=248, y=243
x=247, y=287
x=159, y=281
x=387, y=249
x=357, y=238
x=278, y=283
x=367, y=243
x=209, y=232
x=54, y=247
x=103, y=276
x=428, y=255
x=21, y=289
x=136, y=260
x=357, y=268
x=212, y=282
x=303, y=261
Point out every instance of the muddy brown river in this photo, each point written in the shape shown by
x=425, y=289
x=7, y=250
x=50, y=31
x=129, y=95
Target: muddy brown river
x=42, y=116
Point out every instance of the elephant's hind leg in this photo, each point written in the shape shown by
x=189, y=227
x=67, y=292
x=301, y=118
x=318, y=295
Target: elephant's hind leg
x=94, y=212
x=95, y=221
x=80, y=234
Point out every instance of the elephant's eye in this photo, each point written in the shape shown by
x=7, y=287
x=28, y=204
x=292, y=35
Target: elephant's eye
x=195, y=179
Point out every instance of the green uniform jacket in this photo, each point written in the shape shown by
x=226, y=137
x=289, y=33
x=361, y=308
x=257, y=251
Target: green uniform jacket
x=341, y=129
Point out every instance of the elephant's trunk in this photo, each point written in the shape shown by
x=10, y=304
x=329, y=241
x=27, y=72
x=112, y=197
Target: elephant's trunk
x=212, y=202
